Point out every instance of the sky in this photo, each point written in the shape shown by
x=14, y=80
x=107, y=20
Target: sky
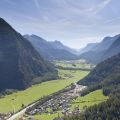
x=73, y=22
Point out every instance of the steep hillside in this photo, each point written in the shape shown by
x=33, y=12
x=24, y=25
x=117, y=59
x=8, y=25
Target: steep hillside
x=88, y=47
x=102, y=50
x=106, y=75
x=105, y=43
x=51, y=50
x=58, y=45
x=19, y=61
x=113, y=49
x=109, y=110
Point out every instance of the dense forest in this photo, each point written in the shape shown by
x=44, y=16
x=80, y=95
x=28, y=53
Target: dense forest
x=106, y=75
x=109, y=110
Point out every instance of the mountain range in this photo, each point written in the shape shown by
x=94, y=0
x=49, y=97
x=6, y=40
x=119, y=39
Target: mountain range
x=51, y=50
x=19, y=61
x=105, y=76
x=95, y=53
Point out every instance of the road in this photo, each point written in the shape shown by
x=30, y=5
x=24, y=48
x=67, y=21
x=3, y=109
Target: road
x=13, y=117
x=77, y=89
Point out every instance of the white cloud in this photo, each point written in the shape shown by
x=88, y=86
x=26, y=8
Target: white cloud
x=71, y=21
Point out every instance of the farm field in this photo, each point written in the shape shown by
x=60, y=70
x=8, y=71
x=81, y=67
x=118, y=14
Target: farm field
x=44, y=116
x=66, y=78
x=15, y=101
x=90, y=99
x=48, y=117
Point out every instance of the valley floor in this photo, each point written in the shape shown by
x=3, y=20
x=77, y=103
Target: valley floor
x=20, y=99
x=93, y=98
x=14, y=101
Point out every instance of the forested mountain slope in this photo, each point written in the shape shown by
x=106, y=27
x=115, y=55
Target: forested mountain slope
x=106, y=75
x=109, y=110
x=19, y=61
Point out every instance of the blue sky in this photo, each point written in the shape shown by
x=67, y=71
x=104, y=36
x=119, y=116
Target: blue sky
x=74, y=22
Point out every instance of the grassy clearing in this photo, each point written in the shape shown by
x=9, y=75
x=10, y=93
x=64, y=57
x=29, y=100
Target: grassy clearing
x=47, y=116
x=92, y=98
x=44, y=116
x=15, y=100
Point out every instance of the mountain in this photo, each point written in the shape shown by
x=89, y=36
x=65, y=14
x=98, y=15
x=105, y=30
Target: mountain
x=102, y=50
x=105, y=44
x=106, y=75
x=51, y=50
x=87, y=48
x=19, y=61
x=58, y=45
x=113, y=49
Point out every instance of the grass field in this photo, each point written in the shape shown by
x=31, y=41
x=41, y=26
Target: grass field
x=67, y=77
x=88, y=100
x=91, y=99
x=14, y=101
x=47, y=116
x=44, y=116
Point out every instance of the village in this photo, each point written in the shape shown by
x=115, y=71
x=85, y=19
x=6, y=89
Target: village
x=60, y=102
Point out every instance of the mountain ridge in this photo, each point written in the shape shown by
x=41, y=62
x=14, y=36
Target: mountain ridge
x=51, y=50
x=105, y=75
x=102, y=50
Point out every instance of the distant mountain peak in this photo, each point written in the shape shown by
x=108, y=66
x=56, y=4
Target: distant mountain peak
x=51, y=50
x=108, y=47
x=57, y=41
x=34, y=37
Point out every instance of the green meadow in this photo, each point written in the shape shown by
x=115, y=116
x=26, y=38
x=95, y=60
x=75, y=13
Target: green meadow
x=90, y=99
x=14, y=101
x=47, y=116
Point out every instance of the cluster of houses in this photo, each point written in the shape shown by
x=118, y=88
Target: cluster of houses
x=5, y=116
x=60, y=102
